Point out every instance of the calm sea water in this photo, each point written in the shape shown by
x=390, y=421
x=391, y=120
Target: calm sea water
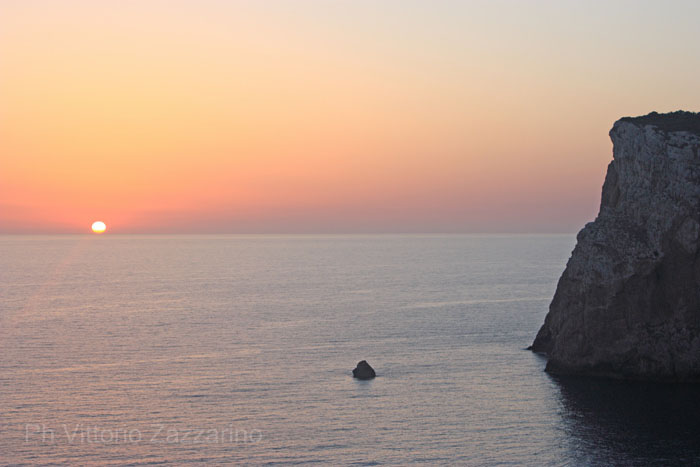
x=224, y=349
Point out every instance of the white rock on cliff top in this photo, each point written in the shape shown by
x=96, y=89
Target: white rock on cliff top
x=628, y=302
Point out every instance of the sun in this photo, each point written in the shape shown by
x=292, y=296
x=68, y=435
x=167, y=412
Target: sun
x=99, y=227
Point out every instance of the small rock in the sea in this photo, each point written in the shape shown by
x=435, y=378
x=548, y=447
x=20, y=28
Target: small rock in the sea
x=363, y=371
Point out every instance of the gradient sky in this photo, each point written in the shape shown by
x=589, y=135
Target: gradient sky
x=326, y=116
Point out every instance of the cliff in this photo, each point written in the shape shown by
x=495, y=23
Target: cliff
x=628, y=302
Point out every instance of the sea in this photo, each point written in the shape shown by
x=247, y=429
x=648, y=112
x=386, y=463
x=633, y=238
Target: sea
x=239, y=349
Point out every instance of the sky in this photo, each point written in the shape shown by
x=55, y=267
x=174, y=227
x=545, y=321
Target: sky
x=305, y=116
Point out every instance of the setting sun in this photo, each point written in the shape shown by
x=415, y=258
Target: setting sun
x=98, y=227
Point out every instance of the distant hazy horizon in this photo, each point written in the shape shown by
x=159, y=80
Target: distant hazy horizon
x=314, y=116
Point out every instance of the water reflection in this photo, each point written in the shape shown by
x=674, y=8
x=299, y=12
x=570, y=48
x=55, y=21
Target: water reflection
x=631, y=423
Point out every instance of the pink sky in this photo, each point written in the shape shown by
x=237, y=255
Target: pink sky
x=314, y=116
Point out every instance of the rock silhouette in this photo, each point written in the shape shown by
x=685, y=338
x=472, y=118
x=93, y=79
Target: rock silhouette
x=363, y=371
x=628, y=303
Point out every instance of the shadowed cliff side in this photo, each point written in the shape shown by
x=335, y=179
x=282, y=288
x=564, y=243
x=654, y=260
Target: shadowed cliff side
x=628, y=302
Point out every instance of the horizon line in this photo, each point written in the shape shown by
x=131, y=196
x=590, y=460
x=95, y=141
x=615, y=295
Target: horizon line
x=92, y=234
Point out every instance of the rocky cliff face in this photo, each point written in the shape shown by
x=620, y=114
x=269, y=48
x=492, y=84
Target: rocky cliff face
x=628, y=302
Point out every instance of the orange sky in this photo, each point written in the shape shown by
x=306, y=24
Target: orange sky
x=316, y=116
